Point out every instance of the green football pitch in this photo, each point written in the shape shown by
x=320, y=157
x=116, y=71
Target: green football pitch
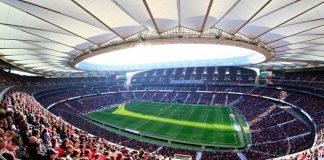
x=218, y=126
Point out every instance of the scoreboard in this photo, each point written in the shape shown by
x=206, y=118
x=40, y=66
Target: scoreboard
x=266, y=74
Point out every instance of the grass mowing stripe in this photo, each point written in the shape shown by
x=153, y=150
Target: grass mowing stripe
x=176, y=121
x=228, y=136
x=191, y=133
x=209, y=125
x=175, y=130
x=148, y=123
x=164, y=127
x=215, y=135
x=204, y=133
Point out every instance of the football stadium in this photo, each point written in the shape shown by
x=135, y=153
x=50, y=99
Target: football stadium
x=162, y=80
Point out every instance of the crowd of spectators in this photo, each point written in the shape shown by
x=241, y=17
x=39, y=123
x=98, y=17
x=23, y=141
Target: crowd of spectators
x=158, y=96
x=267, y=121
x=220, y=75
x=277, y=148
x=316, y=153
x=300, y=143
x=212, y=155
x=275, y=117
x=29, y=131
x=274, y=132
x=193, y=98
x=281, y=116
x=268, y=124
x=294, y=128
x=311, y=79
x=170, y=152
x=169, y=97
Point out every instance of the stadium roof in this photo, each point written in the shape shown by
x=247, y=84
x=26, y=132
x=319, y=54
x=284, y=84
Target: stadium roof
x=45, y=37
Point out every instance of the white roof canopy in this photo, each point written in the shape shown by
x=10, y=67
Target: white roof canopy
x=44, y=36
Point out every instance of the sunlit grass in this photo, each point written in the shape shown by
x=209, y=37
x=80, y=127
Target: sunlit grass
x=184, y=122
x=123, y=112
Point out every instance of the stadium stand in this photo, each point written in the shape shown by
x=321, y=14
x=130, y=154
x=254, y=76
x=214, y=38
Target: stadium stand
x=29, y=131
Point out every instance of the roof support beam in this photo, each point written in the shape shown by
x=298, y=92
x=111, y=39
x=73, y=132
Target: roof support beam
x=79, y=5
x=23, y=40
x=130, y=15
x=289, y=19
x=303, y=49
x=19, y=26
x=316, y=45
x=179, y=12
x=298, y=60
x=32, y=49
x=295, y=34
x=46, y=38
x=227, y=12
x=36, y=61
x=52, y=23
x=297, y=53
x=55, y=11
x=46, y=48
x=299, y=42
x=36, y=54
x=280, y=8
x=312, y=20
x=256, y=13
x=206, y=15
x=151, y=16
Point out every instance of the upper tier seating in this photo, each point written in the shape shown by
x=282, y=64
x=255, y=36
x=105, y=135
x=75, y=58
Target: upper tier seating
x=28, y=130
